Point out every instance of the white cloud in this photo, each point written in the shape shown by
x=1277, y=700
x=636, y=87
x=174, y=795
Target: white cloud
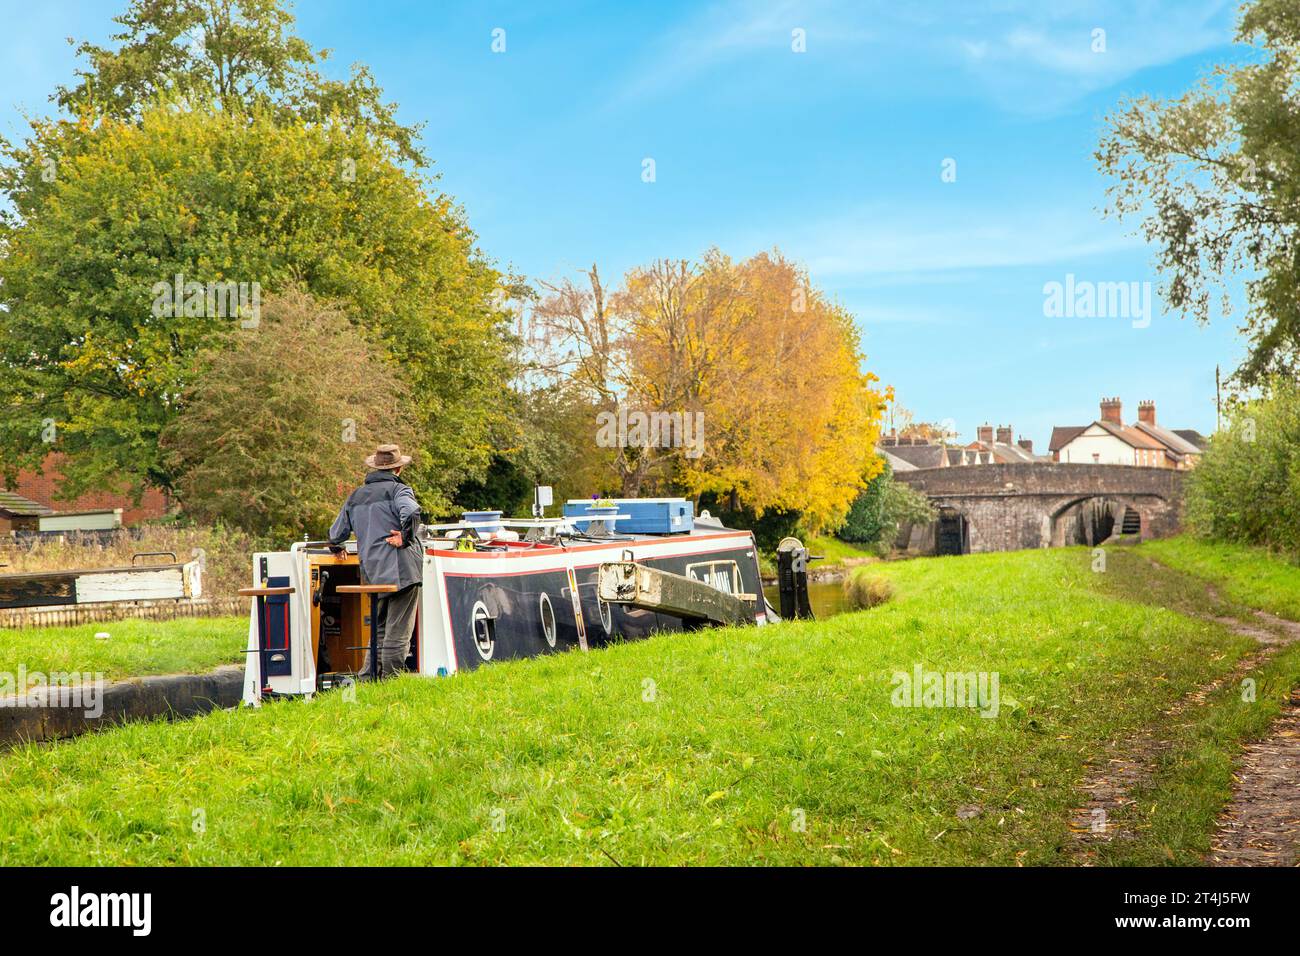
x=873, y=243
x=728, y=31
x=1040, y=58
x=1027, y=56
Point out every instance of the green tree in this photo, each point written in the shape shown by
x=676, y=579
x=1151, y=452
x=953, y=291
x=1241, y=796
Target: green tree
x=215, y=197
x=242, y=53
x=769, y=527
x=278, y=458
x=1215, y=176
x=556, y=444
x=504, y=487
x=1246, y=487
x=866, y=520
x=881, y=509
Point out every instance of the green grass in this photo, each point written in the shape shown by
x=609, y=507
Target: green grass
x=1135, y=574
x=1248, y=575
x=135, y=648
x=701, y=748
x=836, y=551
x=1175, y=811
x=833, y=551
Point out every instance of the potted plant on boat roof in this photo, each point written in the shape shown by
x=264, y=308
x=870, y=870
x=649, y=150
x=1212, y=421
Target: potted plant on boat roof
x=485, y=522
x=600, y=509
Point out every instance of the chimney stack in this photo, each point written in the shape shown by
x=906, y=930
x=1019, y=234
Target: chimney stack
x=1004, y=434
x=1147, y=413
x=1111, y=411
x=1027, y=444
x=984, y=433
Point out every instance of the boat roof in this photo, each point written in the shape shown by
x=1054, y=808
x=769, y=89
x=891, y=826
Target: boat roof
x=703, y=527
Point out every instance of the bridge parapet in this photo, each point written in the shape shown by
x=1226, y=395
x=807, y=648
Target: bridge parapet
x=1047, y=478
x=1007, y=507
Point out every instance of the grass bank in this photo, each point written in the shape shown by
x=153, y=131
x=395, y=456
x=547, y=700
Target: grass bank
x=134, y=648
x=1247, y=575
x=777, y=745
x=835, y=554
x=1174, y=812
x=1175, y=808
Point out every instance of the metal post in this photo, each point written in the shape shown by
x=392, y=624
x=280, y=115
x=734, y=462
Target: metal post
x=792, y=581
x=374, y=637
x=263, y=678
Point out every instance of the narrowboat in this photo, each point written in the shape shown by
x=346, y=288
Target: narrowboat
x=497, y=589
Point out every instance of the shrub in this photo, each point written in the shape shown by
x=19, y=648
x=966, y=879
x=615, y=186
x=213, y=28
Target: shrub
x=880, y=509
x=273, y=433
x=865, y=523
x=1246, y=488
x=863, y=590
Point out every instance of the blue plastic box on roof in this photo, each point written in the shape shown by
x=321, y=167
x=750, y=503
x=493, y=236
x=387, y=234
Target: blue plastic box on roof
x=644, y=515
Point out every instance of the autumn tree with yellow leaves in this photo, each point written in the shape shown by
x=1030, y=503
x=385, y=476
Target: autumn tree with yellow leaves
x=769, y=366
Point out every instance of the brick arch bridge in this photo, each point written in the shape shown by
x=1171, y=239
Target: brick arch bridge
x=1007, y=507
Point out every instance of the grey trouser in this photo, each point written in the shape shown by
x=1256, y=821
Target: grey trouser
x=396, y=625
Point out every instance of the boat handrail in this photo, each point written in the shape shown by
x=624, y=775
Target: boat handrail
x=521, y=522
x=557, y=523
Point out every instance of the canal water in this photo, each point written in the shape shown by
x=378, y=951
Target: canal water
x=826, y=597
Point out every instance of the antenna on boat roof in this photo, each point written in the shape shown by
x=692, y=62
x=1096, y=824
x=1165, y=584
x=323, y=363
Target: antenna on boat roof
x=541, y=499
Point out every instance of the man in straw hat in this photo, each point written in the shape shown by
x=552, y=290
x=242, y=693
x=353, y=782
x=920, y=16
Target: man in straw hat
x=385, y=517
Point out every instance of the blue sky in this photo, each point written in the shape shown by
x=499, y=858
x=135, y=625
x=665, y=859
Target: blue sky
x=834, y=154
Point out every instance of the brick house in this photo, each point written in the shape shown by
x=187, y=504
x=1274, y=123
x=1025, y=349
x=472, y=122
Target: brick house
x=1108, y=441
x=917, y=452
x=997, y=448
x=989, y=448
x=42, y=487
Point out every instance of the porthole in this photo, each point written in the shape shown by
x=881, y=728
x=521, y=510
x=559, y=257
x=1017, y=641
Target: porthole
x=483, y=630
x=547, y=614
